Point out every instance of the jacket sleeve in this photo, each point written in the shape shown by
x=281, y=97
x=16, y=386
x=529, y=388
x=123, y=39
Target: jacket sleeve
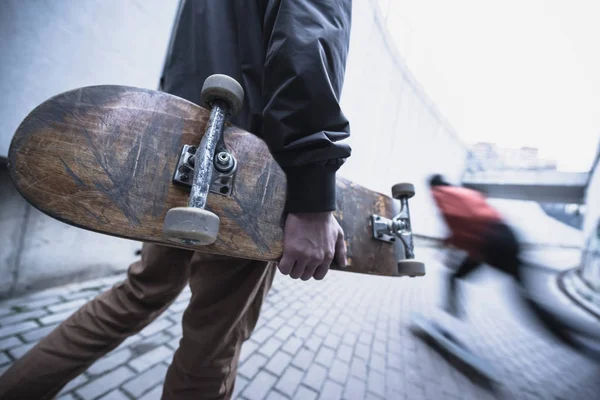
x=306, y=46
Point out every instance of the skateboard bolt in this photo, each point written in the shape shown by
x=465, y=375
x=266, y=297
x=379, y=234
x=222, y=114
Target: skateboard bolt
x=223, y=158
x=224, y=162
x=184, y=169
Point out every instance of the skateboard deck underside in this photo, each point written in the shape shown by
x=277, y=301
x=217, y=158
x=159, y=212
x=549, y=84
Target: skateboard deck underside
x=103, y=157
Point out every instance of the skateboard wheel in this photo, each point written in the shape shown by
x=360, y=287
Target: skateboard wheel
x=411, y=268
x=189, y=225
x=225, y=88
x=401, y=190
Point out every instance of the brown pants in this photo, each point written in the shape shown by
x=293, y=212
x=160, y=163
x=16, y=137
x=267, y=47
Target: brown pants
x=227, y=295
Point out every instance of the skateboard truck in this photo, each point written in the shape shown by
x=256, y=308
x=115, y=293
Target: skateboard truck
x=208, y=167
x=398, y=231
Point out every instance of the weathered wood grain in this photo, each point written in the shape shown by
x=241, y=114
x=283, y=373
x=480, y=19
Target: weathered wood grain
x=102, y=158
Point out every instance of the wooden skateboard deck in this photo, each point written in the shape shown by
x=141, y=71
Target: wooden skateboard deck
x=103, y=158
x=449, y=344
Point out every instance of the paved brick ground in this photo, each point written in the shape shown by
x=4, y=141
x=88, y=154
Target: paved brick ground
x=346, y=337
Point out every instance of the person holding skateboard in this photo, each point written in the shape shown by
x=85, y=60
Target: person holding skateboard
x=290, y=58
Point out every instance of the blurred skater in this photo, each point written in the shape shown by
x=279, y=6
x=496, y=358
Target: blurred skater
x=479, y=229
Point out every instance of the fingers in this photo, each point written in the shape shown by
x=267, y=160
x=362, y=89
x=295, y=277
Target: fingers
x=286, y=264
x=310, y=246
x=299, y=269
x=309, y=272
x=296, y=264
x=320, y=263
x=321, y=272
x=305, y=266
x=340, y=250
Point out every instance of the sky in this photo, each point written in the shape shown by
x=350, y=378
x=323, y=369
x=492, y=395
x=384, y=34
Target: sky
x=515, y=72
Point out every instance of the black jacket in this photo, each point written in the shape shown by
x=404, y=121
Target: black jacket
x=290, y=57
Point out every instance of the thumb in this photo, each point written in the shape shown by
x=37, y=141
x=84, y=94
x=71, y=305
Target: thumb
x=340, y=250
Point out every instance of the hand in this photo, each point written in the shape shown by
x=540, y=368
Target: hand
x=311, y=241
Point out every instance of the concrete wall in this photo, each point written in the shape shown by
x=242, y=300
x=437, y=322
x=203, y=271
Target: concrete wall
x=47, y=47
x=590, y=266
x=398, y=135
x=37, y=251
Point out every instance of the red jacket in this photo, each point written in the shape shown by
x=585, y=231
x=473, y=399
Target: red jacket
x=468, y=216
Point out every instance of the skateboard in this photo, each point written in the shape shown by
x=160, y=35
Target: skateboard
x=150, y=166
x=453, y=346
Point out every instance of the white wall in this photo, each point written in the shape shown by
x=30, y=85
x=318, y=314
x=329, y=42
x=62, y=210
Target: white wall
x=397, y=133
x=50, y=46
x=47, y=47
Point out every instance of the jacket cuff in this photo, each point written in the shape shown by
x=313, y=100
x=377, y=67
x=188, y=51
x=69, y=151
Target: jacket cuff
x=310, y=188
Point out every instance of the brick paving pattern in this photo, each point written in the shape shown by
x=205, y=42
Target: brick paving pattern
x=346, y=337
